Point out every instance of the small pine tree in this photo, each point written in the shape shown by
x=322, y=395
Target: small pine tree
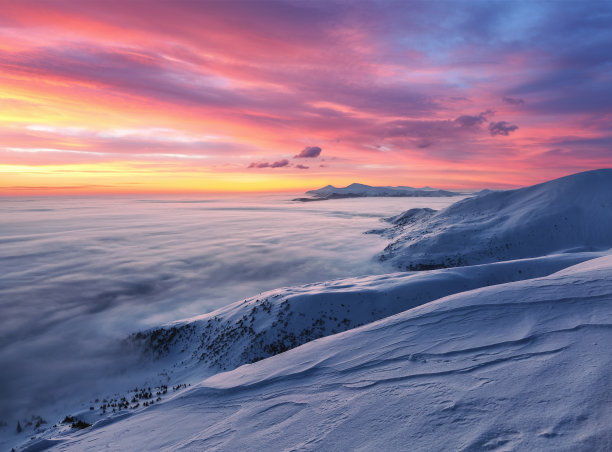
x=18, y=427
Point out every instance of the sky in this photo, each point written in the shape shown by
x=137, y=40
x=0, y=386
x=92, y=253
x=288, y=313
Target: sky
x=187, y=96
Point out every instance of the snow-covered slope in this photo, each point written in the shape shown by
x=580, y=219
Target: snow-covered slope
x=361, y=190
x=282, y=319
x=566, y=214
x=517, y=366
x=183, y=353
x=509, y=355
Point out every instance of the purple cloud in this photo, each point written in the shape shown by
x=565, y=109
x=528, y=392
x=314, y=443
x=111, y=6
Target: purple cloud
x=280, y=163
x=308, y=152
x=302, y=166
x=428, y=130
x=513, y=101
x=472, y=121
x=277, y=164
x=501, y=128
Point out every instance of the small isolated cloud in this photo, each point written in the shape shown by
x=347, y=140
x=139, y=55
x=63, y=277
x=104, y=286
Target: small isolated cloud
x=513, y=101
x=308, y=152
x=424, y=144
x=278, y=164
x=501, y=128
x=473, y=120
x=302, y=166
x=259, y=165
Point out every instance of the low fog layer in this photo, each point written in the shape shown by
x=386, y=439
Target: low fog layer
x=79, y=274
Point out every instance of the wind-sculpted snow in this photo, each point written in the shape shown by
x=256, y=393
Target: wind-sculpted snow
x=567, y=214
x=277, y=321
x=516, y=366
x=182, y=353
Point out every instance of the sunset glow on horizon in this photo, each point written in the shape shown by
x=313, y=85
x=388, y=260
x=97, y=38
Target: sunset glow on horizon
x=180, y=97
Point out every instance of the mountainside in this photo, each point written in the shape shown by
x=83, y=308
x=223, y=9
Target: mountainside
x=361, y=191
x=524, y=365
x=567, y=214
x=282, y=319
x=506, y=350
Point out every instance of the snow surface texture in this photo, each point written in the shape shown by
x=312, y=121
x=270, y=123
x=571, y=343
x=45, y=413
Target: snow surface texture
x=361, y=191
x=523, y=365
x=280, y=320
x=511, y=355
x=567, y=214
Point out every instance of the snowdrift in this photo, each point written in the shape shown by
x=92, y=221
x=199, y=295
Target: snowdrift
x=567, y=214
x=282, y=319
x=523, y=365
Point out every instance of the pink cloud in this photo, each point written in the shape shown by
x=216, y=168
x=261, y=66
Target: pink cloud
x=377, y=86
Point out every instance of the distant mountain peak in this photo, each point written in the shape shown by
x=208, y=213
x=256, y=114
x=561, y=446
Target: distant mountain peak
x=357, y=190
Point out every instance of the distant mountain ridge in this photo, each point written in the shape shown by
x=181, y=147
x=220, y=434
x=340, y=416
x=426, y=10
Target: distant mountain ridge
x=356, y=190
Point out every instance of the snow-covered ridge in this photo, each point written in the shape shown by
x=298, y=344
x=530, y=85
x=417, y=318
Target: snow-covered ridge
x=277, y=321
x=567, y=214
x=361, y=191
x=517, y=366
x=506, y=350
x=255, y=329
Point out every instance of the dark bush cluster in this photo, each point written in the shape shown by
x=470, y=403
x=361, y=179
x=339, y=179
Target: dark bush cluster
x=75, y=423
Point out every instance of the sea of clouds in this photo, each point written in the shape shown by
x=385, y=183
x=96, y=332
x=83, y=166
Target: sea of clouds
x=80, y=274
